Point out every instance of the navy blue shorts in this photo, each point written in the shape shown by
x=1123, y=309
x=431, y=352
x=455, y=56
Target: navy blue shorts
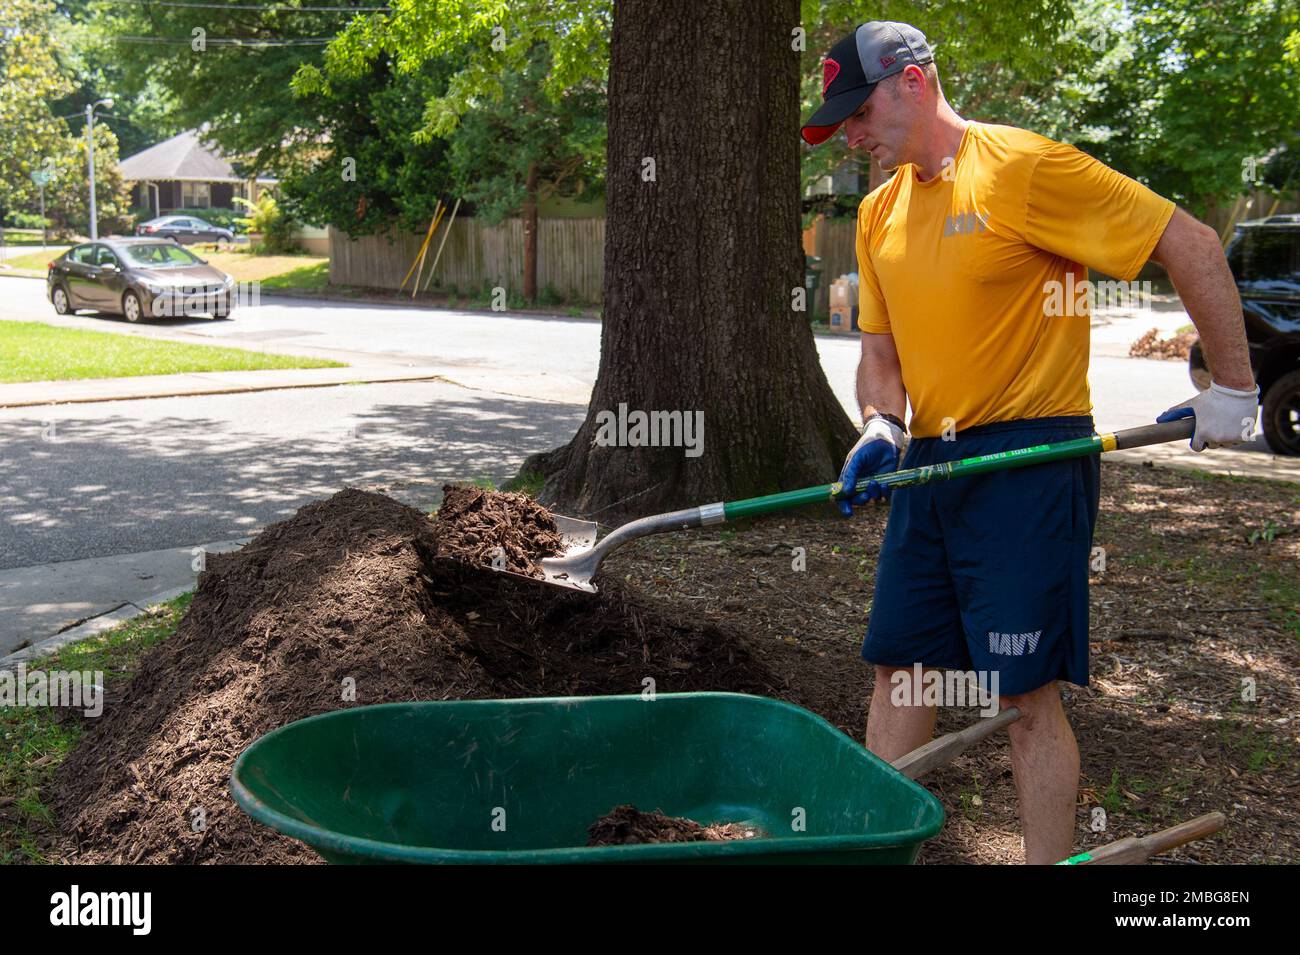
x=990, y=573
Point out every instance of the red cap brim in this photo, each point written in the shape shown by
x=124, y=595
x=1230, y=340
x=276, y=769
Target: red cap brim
x=816, y=135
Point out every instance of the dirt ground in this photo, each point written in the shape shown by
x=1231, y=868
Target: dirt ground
x=1198, y=593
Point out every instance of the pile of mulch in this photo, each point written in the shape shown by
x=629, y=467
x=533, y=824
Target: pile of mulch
x=499, y=530
x=627, y=826
x=352, y=590
x=1151, y=345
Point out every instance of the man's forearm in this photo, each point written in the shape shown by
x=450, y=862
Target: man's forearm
x=880, y=379
x=1194, y=260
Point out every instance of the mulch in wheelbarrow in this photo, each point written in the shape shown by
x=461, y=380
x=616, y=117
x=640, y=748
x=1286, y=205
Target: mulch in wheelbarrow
x=627, y=825
x=353, y=601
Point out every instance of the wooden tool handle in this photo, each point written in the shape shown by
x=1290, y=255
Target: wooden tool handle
x=939, y=751
x=1134, y=850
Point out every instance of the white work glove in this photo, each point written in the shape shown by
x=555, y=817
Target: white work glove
x=1224, y=416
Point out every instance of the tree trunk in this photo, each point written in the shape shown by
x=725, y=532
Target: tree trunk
x=530, y=235
x=702, y=257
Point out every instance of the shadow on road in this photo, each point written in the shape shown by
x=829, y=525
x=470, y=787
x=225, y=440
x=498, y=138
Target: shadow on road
x=92, y=480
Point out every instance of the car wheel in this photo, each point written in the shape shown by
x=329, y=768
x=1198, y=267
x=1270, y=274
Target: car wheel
x=1281, y=414
x=61, y=303
x=131, y=308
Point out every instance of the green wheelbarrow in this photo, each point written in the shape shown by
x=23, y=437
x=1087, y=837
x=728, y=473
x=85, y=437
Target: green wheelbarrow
x=520, y=781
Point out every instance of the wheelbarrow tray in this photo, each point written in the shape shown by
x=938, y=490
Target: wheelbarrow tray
x=520, y=781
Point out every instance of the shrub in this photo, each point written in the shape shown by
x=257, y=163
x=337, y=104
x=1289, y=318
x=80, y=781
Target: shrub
x=26, y=220
x=277, y=228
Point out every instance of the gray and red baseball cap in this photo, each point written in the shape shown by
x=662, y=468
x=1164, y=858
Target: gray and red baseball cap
x=855, y=65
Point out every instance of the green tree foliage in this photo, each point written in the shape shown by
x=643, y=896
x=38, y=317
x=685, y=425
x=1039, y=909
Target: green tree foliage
x=1198, y=92
x=227, y=66
x=366, y=171
x=29, y=79
x=233, y=79
x=558, y=146
x=486, y=40
x=89, y=54
x=35, y=138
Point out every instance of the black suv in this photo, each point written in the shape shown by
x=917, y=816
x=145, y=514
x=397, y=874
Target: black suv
x=1265, y=259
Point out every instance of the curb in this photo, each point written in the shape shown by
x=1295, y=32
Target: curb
x=242, y=389
x=105, y=621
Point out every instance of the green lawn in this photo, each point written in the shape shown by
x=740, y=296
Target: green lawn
x=30, y=351
x=36, y=261
x=36, y=739
x=272, y=271
x=314, y=276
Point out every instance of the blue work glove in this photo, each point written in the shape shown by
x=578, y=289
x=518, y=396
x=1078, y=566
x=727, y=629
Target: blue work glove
x=877, y=452
x=1224, y=416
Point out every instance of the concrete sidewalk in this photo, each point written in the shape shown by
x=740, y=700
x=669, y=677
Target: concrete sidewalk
x=1250, y=460
x=25, y=394
x=40, y=602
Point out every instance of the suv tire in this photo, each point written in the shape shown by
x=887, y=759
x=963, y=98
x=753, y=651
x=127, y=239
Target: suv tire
x=1281, y=414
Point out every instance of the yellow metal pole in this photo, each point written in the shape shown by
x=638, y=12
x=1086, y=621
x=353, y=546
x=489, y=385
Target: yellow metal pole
x=423, y=246
x=450, y=222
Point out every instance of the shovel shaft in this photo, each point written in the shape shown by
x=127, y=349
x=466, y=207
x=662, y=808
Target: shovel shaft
x=579, y=565
x=967, y=467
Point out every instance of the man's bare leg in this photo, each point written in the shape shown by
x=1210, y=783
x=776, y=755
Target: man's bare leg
x=1045, y=762
x=894, y=731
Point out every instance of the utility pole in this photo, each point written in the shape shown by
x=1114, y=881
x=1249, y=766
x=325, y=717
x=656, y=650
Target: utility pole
x=90, y=160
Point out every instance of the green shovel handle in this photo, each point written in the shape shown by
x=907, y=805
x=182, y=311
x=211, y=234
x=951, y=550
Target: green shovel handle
x=966, y=467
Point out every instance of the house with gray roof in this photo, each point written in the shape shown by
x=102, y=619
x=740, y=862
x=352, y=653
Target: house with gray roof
x=183, y=173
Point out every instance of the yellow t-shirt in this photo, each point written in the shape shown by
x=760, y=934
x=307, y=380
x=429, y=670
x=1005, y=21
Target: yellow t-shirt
x=960, y=270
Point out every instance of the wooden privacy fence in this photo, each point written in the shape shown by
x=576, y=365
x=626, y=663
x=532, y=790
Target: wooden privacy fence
x=570, y=257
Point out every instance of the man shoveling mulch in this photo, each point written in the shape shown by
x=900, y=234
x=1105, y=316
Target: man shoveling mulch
x=346, y=603
x=627, y=825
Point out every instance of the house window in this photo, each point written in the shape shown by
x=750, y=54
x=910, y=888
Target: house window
x=194, y=195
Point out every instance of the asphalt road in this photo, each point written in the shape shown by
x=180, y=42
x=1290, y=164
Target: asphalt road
x=90, y=480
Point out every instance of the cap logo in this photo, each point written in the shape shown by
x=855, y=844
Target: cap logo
x=887, y=61
x=830, y=70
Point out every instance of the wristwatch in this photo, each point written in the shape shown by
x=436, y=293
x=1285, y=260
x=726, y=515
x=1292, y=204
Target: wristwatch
x=892, y=419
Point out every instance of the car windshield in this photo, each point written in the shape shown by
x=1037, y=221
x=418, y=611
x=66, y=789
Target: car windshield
x=161, y=255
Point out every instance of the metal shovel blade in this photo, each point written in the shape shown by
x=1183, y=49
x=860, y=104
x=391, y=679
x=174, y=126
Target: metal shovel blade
x=570, y=569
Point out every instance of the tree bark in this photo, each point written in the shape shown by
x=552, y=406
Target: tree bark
x=702, y=257
x=530, y=235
